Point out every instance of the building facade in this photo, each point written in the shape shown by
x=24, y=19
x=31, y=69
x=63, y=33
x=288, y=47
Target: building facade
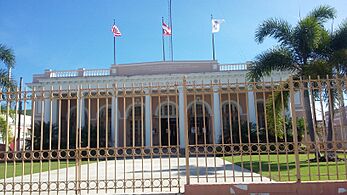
x=144, y=104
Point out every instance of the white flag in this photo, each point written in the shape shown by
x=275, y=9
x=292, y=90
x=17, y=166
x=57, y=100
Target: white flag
x=216, y=25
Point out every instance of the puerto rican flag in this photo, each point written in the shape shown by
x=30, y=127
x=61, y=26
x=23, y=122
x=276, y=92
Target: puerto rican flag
x=166, y=29
x=116, y=31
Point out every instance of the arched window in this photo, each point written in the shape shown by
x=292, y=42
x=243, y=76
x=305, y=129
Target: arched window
x=198, y=110
x=229, y=111
x=168, y=110
x=137, y=113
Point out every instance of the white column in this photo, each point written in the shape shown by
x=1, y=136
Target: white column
x=38, y=105
x=47, y=108
x=148, y=116
x=114, y=119
x=55, y=111
x=251, y=109
x=83, y=114
x=216, y=112
x=181, y=116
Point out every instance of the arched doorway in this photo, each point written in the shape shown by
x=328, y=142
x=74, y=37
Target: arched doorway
x=168, y=124
x=102, y=126
x=135, y=126
x=68, y=134
x=199, y=123
x=230, y=119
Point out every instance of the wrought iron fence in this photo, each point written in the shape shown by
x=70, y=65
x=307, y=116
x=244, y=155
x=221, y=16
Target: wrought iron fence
x=158, y=137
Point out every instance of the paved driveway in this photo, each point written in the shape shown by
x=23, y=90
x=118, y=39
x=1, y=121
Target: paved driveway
x=138, y=174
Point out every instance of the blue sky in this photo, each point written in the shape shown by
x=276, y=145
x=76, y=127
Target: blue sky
x=72, y=34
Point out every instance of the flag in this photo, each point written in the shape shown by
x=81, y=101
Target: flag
x=216, y=25
x=116, y=31
x=166, y=29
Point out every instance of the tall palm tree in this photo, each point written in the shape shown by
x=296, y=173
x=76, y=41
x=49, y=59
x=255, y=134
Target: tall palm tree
x=335, y=55
x=301, y=50
x=8, y=58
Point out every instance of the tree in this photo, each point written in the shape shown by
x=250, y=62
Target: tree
x=7, y=57
x=6, y=137
x=304, y=50
x=335, y=57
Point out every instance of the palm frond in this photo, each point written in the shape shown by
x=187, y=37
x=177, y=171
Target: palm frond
x=279, y=59
x=317, y=68
x=339, y=38
x=275, y=104
x=308, y=36
x=323, y=13
x=276, y=28
x=7, y=56
x=339, y=49
x=339, y=61
x=5, y=82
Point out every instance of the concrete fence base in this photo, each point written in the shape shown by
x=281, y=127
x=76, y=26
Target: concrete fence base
x=306, y=188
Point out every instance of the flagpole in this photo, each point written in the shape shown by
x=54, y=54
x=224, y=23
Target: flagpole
x=213, y=49
x=114, y=45
x=162, y=37
x=171, y=46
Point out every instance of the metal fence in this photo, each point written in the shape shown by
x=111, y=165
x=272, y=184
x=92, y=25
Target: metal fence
x=158, y=137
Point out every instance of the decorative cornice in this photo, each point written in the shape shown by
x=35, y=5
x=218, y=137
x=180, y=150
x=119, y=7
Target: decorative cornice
x=206, y=77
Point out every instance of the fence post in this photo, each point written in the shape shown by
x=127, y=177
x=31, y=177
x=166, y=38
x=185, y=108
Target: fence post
x=78, y=140
x=184, y=85
x=294, y=129
x=8, y=104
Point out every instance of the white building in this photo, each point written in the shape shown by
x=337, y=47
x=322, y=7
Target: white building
x=149, y=125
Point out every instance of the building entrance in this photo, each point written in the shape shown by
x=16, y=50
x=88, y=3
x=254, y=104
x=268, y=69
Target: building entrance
x=168, y=132
x=199, y=125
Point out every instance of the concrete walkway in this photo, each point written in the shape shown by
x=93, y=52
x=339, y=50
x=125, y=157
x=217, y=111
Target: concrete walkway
x=138, y=175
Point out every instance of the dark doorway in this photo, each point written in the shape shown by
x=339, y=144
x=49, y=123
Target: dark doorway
x=135, y=127
x=199, y=125
x=165, y=136
x=136, y=134
x=197, y=132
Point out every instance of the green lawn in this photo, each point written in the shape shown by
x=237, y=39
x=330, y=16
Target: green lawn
x=36, y=167
x=280, y=170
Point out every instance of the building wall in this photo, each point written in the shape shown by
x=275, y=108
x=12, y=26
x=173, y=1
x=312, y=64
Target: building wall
x=154, y=74
x=125, y=106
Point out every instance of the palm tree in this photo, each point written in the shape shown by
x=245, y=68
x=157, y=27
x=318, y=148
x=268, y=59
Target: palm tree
x=335, y=55
x=301, y=48
x=8, y=58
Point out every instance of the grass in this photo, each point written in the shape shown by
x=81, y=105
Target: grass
x=27, y=166
x=279, y=167
x=282, y=167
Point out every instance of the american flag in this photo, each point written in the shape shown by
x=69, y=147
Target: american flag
x=116, y=31
x=166, y=29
